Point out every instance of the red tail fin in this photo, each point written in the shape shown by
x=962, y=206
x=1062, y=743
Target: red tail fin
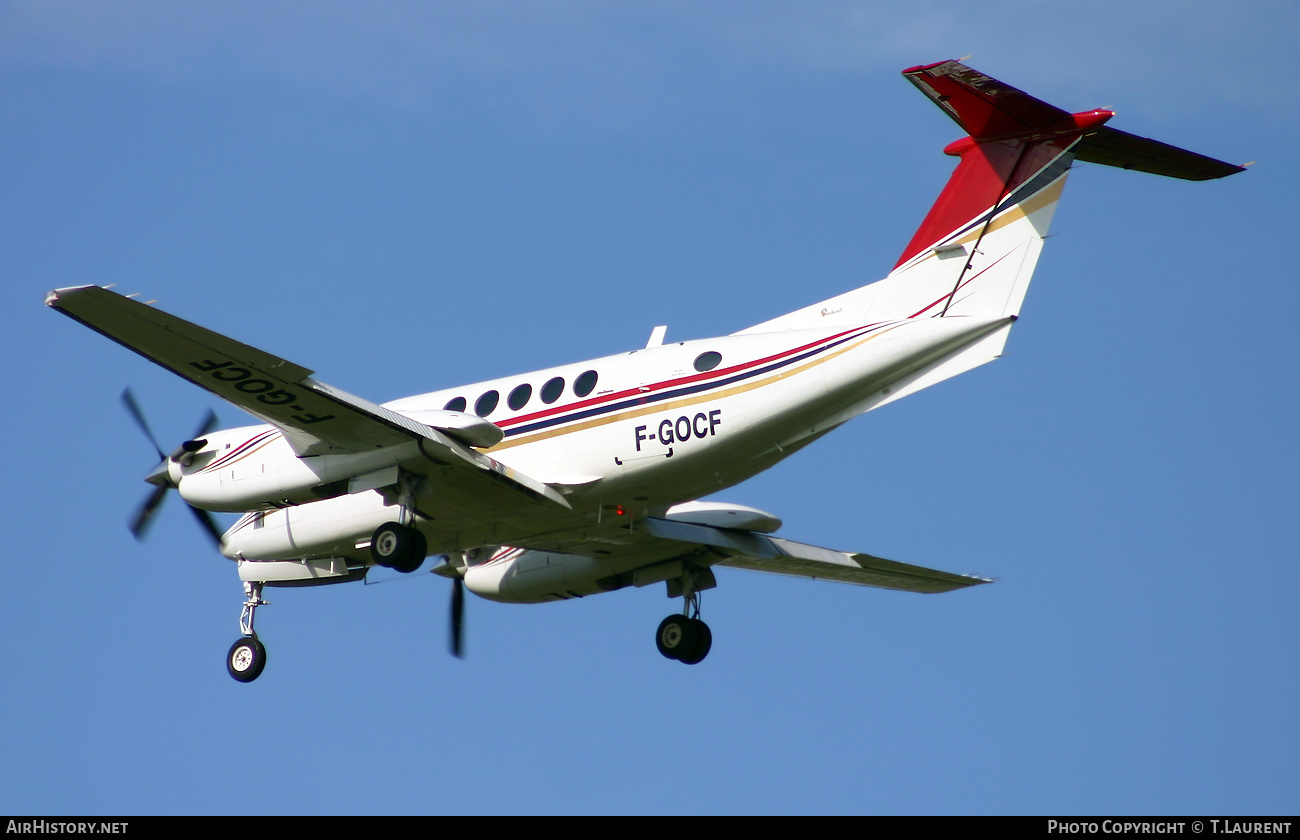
x=1013, y=137
x=975, y=253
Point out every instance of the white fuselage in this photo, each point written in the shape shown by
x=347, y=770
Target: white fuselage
x=653, y=431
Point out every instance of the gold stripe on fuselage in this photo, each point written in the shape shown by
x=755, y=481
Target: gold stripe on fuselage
x=694, y=399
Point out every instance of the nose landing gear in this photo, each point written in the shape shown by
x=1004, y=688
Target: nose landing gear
x=247, y=657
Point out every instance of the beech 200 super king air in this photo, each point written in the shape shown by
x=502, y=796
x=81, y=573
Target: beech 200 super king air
x=583, y=478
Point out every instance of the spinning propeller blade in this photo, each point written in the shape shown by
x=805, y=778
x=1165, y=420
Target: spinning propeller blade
x=159, y=476
x=457, y=616
x=133, y=408
x=209, y=423
x=208, y=524
x=144, y=516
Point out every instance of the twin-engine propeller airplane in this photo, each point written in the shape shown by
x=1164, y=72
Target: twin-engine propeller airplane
x=583, y=478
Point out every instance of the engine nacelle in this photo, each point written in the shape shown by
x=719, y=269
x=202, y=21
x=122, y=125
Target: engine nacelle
x=519, y=576
x=255, y=468
x=328, y=528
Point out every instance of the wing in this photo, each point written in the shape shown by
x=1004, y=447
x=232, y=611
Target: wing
x=654, y=543
x=763, y=553
x=316, y=418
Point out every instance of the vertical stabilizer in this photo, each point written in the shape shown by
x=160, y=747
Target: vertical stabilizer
x=976, y=249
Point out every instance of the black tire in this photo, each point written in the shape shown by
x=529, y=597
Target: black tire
x=397, y=547
x=703, y=643
x=246, y=659
x=415, y=556
x=676, y=635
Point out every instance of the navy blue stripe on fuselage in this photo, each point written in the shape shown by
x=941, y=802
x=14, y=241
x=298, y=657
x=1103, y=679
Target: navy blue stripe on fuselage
x=648, y=398
x=1046, y=175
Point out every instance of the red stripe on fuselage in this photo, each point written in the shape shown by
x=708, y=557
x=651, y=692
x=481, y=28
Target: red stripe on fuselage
x=673, y=383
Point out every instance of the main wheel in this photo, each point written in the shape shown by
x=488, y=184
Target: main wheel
x=415, y=554
x=398, y=547
x=703, y=642
x=246, y=659
x=677, y=635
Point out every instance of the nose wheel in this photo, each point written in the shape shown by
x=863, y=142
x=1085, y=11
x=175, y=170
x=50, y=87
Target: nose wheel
x=246, y=659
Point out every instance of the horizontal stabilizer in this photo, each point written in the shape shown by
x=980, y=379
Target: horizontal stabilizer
x=985, y=108
x=1112, y=147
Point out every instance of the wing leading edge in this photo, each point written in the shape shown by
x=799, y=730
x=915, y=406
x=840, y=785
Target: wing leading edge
x=316, y=419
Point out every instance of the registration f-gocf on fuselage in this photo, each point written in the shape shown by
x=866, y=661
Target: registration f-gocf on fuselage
x=582, y=479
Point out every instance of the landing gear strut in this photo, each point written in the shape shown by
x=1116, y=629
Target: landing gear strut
x=247, y=657
x=684, y=637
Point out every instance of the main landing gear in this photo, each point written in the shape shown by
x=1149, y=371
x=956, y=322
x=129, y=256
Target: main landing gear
x=684, y=637
x=398, y=547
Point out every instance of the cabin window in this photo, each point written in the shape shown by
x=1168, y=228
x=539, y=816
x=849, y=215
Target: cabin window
x=455, y=404
x=707, y=361
x=552, y=390
x=519, y=397
x=585, y=383
x=487, y=404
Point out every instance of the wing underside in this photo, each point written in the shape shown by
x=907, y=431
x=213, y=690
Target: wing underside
x=652, y=542
x=316, y=418
x=764, y=553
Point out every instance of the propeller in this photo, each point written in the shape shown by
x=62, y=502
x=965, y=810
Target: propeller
x=160, y=475
x=457, y=616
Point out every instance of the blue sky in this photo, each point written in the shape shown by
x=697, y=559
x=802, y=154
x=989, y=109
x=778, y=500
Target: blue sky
x=414, y=196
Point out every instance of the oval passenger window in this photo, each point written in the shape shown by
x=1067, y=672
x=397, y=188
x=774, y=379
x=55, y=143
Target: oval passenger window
x=585, y=383
x=552, y=390
x=519, y=397
x=486, y=404
x=707, y=361
x=456, y=404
